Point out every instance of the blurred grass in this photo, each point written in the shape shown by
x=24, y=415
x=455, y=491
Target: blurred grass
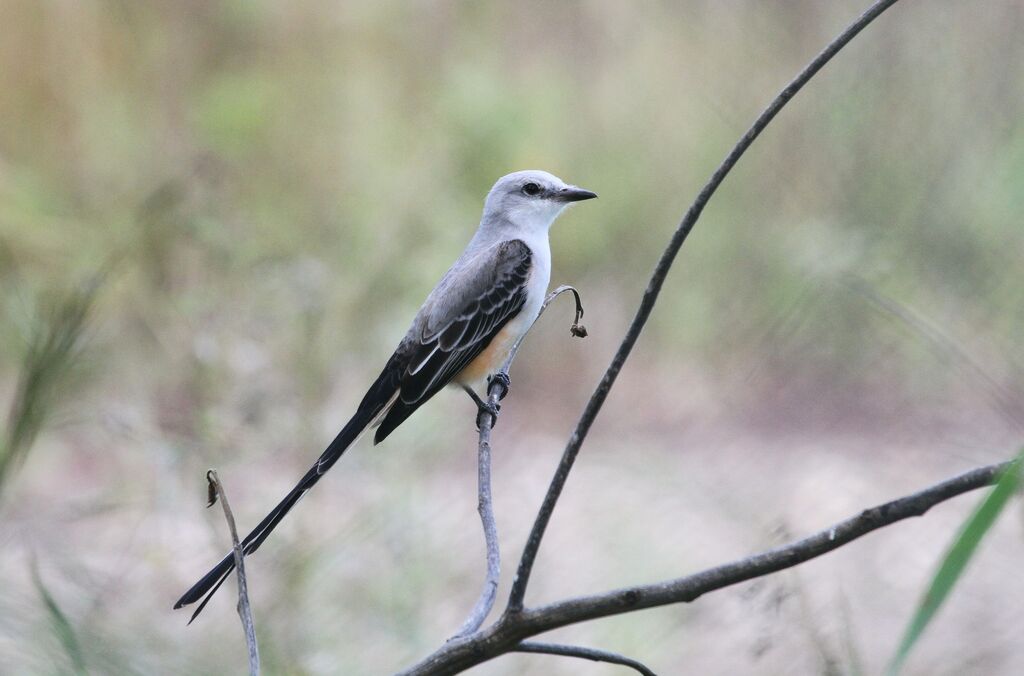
x=261, y=172
x=62, y=627
x=53, y=346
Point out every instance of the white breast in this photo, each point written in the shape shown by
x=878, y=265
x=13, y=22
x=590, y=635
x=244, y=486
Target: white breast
x=493, y=357
x=537, y=286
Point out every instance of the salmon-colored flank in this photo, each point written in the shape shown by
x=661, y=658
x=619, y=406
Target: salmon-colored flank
x=490, y=360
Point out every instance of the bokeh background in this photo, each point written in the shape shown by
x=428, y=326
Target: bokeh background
x=258, y=195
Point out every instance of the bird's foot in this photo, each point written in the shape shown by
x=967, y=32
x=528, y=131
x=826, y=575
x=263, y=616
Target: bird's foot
x=483, y=407
x=486, y=408
x=503, y=380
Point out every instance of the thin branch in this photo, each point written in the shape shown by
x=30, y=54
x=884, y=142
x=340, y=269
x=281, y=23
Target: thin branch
x=506, y=634
x=584, y=653
x=485, y=506
x=522, y=578
x=216, y=491
x=690, y=588
x=577, y=329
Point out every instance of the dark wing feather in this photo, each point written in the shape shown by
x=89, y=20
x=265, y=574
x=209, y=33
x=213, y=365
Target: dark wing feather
x=492, y=293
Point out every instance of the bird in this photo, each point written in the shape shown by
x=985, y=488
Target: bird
x=461, y=335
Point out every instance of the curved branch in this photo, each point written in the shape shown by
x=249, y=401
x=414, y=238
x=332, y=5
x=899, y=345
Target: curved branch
x=577, y=329
x=583, y=653
x=590, y=413
x=512, y=629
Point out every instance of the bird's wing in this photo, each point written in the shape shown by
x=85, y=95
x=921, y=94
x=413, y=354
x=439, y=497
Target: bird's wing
x=468, y=308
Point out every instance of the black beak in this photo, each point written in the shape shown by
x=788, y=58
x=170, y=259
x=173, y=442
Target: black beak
x=574, y=194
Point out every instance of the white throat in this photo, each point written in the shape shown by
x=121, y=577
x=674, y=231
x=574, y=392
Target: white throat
x=534, y=218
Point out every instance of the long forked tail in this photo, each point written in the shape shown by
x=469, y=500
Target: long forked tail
x=376, y=402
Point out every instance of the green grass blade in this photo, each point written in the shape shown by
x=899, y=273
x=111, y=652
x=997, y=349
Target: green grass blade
x=963, y=549
x=61, y=626
x=54, y=347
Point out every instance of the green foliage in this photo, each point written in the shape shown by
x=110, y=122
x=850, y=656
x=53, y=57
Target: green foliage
x=964, y=547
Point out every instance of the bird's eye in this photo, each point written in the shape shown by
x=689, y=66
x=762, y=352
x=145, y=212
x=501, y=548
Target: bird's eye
x=531, y=189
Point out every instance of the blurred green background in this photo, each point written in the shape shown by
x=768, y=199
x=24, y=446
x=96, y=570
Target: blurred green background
x=244, y=185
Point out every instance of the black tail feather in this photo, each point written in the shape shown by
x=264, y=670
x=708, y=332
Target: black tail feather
x=213, y=590
x=213, y=579
x=379, y=396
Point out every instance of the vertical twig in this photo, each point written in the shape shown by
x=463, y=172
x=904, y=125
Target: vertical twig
x=485, y=503
x=485, y=507
x=216, y=491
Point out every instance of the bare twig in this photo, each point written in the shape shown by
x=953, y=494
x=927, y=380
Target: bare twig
x=692, y=587
x=584, y=653
x=215, y=492
x=508, y=632
x=485, y=506
x=577, y=329
x=597, y=400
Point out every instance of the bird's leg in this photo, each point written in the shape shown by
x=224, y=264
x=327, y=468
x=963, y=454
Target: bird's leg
x=503, y=380
x=483, y=407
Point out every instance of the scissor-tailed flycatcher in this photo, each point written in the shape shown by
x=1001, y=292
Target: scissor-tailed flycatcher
x=462, y=335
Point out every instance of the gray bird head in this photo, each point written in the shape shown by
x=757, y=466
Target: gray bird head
x=531, y=199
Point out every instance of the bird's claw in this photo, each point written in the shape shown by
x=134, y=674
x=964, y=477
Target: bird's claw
x=503, y=380
x=487, y=408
